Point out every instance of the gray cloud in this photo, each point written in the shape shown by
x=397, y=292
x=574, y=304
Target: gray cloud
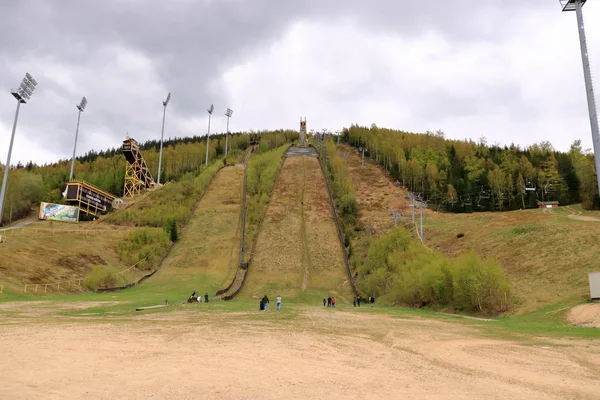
x=124, y=55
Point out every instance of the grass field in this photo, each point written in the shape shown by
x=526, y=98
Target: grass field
x=545, y=253
x=298, y=254
x=47, y=252
x=206, y=256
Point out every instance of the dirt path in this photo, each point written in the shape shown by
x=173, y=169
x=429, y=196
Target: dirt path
x=320, y=354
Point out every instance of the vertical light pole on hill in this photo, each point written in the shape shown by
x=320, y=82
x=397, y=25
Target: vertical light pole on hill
x=210, y=111
x=80, y=107
x=22, y=94
x=575, y=5
x=162, y=135
x=228, y=113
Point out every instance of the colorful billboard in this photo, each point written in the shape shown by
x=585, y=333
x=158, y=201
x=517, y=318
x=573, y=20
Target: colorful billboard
x=59, y=212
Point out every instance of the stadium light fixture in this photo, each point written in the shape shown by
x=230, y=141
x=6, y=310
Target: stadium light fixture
x=228, y=113
x=210, y=111
x=576, y=5
x=80, y=107
x=162, y=134
x=22, y=94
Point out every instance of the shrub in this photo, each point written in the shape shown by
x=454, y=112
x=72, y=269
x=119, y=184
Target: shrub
x=171, y=230
x=142, y=247
x=401, y=268
x=100, y=277
x=460, y=235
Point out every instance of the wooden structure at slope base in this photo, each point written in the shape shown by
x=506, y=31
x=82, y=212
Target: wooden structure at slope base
x=89, y=198
x=137, y=174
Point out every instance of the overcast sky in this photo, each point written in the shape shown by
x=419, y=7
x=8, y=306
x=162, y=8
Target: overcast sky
x=505, y=69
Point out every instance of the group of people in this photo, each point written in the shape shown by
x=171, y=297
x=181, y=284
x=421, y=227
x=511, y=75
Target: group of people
x=358, y=300
x=264, y=303
x=329, y=301
x=198, y=298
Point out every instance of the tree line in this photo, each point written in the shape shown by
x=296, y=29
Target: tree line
x=31, y=183
x=466, y=176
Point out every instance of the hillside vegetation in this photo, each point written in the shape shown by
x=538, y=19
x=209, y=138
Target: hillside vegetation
x=465, y=176
x=545, y=254
x=206, y=256
x=30, y=183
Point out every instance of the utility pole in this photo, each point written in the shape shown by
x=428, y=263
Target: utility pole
x=396, y=215
x=576, y=5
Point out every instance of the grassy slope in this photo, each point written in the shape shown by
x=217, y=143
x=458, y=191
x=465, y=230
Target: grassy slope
x=546, y=255
x=298, y=254
x=206, y=256
x=48, y=252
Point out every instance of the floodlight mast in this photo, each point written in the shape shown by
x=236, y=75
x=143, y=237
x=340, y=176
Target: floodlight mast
x=162, y=134
x=22, y=94
x=228, y=113
x=576, y=5
x=80, y=107
x=210, y=111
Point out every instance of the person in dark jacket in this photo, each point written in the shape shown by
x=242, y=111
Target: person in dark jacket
x=372, y=300
x=324, y=302
x=206, y=297
x=262, y=305
x=265, y=301
x=358, y=301
x=329, y=301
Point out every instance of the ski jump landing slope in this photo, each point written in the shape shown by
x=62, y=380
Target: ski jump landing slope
x=298, y=253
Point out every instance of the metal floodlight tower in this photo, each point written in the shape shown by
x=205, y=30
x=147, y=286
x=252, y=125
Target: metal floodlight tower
x=162, y=134
x=22, y=94
x=80, y=107
x=210, y=111
x=576, y=5
x=228, y=113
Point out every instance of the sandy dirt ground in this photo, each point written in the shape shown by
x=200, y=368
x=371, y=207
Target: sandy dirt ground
x=585, y=315
x=306, y=354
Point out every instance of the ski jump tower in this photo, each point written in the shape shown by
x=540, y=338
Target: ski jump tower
x=137, y=174
x=303, y=132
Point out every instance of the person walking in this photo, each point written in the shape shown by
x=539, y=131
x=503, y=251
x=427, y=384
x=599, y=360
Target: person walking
x=372, y=300
x=278, y=303
x=324, y=302
x=329, y=301
x=358, y=300
x=266, y=302
x=206, y=297
x=333, y=302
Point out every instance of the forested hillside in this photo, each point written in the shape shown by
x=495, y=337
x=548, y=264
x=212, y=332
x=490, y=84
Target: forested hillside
x=468, y=176
x=29, y=184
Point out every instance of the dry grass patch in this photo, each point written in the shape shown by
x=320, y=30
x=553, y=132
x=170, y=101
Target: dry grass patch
x=297, y=247
x=206, y=256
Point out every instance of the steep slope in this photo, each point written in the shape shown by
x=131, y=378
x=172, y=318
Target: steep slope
x=298, y=253
x=206, y=256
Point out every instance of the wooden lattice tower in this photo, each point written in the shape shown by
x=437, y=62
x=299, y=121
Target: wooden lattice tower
x=137, y=174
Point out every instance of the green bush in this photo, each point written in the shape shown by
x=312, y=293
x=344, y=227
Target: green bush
x=142, y=247
x=100, y=277
x=403, y=270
